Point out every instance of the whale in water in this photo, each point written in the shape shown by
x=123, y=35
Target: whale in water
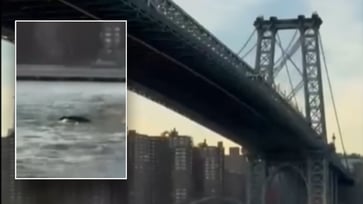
x=75, y=119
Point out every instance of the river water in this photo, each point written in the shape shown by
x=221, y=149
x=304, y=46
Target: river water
x=47, y=148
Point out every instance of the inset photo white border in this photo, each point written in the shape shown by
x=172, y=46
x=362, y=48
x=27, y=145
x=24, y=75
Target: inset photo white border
x=15, y=95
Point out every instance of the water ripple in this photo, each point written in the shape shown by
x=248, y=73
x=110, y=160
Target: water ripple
x=49, y=149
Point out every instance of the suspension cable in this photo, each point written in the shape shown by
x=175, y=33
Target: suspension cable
x=287, y=69
x=246, y=43
x=291, y=85
x=287, y=48
x=333, y=100
x=79, y=9
x=249, y=51
x=289, y=58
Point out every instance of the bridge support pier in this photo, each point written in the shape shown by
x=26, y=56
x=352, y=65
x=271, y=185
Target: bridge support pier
x=256, y=180
x=319, y=181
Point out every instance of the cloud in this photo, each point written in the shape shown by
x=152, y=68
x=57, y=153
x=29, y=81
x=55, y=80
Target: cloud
x=342, y=37
x=350, y=111
x=7, y=63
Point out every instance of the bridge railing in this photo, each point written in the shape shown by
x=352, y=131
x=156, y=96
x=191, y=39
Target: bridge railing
x=179, y=17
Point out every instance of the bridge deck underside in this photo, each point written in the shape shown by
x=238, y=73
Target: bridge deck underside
x=256, y=119
x=176, y=87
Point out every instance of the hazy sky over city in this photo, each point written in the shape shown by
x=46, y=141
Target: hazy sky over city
x=232, y=23
x=7, y=86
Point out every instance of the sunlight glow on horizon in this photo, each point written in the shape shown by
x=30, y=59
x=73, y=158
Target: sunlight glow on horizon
x=7, y=87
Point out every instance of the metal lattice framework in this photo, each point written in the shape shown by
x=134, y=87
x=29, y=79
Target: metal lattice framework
x=311, y=69
x=313, y=88
x=265, y=49
x=174, y=13
x=318, y=179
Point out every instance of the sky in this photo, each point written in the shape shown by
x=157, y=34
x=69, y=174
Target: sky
x=7, y=86
x=232, y=23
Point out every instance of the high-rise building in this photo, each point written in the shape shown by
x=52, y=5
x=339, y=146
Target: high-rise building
x=149, y=165
x=161, y=170
x=235, y=173
x=139, y=168
x=182, y=153
x=210, y=161
x=235, y=162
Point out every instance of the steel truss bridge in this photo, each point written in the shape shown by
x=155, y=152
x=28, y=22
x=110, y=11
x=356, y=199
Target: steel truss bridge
x=173, y=60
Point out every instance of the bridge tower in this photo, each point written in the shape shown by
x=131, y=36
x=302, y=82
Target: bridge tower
x=320, y=180
x=311, y=68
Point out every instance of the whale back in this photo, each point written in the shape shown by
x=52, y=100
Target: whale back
x=73, y=118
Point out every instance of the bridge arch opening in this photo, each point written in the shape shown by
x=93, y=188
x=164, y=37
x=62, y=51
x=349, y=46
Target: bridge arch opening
x=286, y=184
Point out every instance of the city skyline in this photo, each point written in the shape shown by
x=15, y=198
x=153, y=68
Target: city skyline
x=184, y=173
x=194, y=172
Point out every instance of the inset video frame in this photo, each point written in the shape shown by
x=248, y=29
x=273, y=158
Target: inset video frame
x=96, y=75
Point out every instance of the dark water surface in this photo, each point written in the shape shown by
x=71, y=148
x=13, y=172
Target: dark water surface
x=47, y=148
